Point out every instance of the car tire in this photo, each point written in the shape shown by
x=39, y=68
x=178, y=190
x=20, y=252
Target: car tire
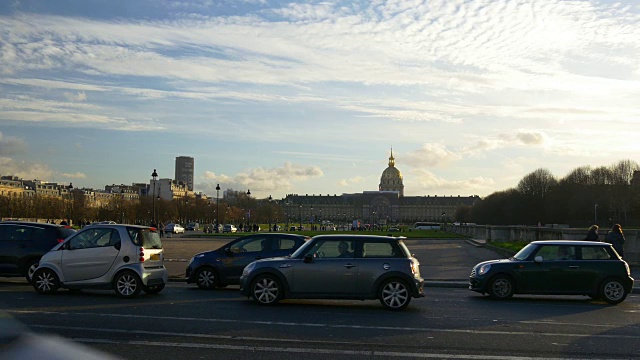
x=501, y=287
x=32, y=265
x=394, y=294
x=266, y=290
x=153, y=289
x=206, y=278
x=45, y=281
x=612, y=291
x=127, y=284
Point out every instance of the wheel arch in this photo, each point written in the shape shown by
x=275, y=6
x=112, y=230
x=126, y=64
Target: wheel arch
x=514, y=281
x=373, y=292
x=277, y=274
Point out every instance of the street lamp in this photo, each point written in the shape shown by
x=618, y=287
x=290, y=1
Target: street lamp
x=300, y=228
x=311, y=218
x=249, y=209
x=217, y=208
x=270, y=199
x=70, y=189
x=154, y=175
x=595, y=210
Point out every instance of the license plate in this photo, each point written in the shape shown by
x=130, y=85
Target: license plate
x=155, y=257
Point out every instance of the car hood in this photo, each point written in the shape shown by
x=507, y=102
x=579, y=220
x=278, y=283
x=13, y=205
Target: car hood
x=500, y=261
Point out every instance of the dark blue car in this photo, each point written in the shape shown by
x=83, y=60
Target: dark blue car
x=222, y=267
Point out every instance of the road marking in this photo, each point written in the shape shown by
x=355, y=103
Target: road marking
x=313, y=351
x=335, y=326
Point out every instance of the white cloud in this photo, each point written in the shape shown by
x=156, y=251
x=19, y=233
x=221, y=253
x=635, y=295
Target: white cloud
x=11, y=145
x=25, y=170
x=427, y=182
x=76, y=175
x=351, y=181
x=77, y=97
x=431, y=155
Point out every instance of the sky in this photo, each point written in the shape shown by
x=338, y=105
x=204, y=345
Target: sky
x=283, y=97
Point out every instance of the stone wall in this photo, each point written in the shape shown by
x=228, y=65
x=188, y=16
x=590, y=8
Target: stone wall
x=495, y=233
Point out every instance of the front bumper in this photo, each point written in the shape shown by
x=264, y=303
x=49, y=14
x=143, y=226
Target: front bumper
x=477, y=284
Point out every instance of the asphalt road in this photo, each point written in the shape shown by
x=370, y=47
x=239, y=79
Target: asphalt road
x=183, y=322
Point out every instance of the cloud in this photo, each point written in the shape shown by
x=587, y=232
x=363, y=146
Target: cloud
x=77, y=97
x=426, y=181
x=352, y=181
x=431, y=155
x=25, y=170
x=77, y=175
x=261, y=181
x=11, y=145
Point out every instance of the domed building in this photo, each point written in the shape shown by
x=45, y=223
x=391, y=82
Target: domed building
x=391, y=179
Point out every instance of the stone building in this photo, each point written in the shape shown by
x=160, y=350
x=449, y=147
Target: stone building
x=388, y=205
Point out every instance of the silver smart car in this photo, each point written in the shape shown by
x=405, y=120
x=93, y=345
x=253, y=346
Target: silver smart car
x=124, y=258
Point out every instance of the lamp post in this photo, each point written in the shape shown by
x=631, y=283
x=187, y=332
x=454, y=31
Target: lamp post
x=249, y=210
x=300, y=228
x=270, y=199
x=595, y=210
x=70, y=189
x=311, y=218
x=217, y=207
x=286, y=203
x=154, y=175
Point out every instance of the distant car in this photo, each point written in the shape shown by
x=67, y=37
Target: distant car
x=228, y=228
x=174, y=228
x=23, y=243
x=211, y=228
x=394, y=229
x=194, y=226
x=124, y=258
x=292, y=228
x=556, y=268
x=338, y=267
x=224, y=266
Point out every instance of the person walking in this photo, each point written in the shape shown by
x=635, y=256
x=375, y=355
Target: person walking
x=615, y=237
x=592, y=235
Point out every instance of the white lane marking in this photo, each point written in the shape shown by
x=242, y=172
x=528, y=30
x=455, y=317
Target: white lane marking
x=334, y=326
x=313, y=351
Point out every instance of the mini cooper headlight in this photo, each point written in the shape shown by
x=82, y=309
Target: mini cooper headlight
x=247, y=269
x=484, y=269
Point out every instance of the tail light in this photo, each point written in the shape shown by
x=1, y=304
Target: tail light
x=141, y=254
x=60, y=241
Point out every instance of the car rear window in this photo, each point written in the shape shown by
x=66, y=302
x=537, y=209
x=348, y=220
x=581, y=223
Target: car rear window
x=146, y=238
x=595, y=253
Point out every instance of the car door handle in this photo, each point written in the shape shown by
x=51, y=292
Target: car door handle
x=349, y=266
x=574, y=267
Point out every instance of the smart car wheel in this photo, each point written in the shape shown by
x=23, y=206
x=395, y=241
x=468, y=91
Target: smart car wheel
x=266, y=290
x=612, y=291
x=45, y=281
x=153, y=289
x=206, y=278
x=394, y=294
x=501, y=287
x=127, y=284
x=31, y=269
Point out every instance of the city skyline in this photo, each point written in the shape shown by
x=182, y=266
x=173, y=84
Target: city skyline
x=310, y=97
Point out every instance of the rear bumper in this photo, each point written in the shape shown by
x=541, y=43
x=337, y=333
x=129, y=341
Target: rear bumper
x=155, y=275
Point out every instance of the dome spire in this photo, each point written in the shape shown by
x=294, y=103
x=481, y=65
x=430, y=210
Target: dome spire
x=392, y=161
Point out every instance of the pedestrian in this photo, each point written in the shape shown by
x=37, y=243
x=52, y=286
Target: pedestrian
x=161, y=230
x=615, y=237
x=592, y=235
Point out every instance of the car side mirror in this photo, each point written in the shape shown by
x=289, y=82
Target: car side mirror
x=538, y=259
x=308, y=258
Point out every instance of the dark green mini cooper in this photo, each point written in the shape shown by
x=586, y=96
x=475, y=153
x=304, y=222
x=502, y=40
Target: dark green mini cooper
x=556, y=268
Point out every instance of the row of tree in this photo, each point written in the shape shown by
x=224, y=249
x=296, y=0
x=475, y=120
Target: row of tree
x=603, y=195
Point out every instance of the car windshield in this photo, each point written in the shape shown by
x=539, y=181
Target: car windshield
x=301, y=249
x=524, y=252
x=146, y=238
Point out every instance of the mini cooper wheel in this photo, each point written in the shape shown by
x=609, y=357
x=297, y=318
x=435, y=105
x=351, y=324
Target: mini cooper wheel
x=45, y=281
x=266, y=290
x=206, y=278
x=501, y=287
x=31, y=269
x=153, y=289
x=612, y=291
x=127, y=284
x=394, y=294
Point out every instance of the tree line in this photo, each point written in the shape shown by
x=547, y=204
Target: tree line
x=602, y=195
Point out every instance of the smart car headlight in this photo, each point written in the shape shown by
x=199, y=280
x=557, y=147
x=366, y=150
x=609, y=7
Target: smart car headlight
x=484, y=269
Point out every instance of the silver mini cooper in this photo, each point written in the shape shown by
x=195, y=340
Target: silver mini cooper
x=338, y=267
x=124, y=258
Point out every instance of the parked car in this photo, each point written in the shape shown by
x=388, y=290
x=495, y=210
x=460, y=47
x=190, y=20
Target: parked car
x=394, y=229
x=338, y=267
x=125, y=258
x=228, y=228
x=211, y=228
x=556, y=268
x=174, y=228
x=194, y=226
x=23, y=243
x=224, y=266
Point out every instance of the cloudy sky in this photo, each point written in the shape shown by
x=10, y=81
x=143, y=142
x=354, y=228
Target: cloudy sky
x=309, y=97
